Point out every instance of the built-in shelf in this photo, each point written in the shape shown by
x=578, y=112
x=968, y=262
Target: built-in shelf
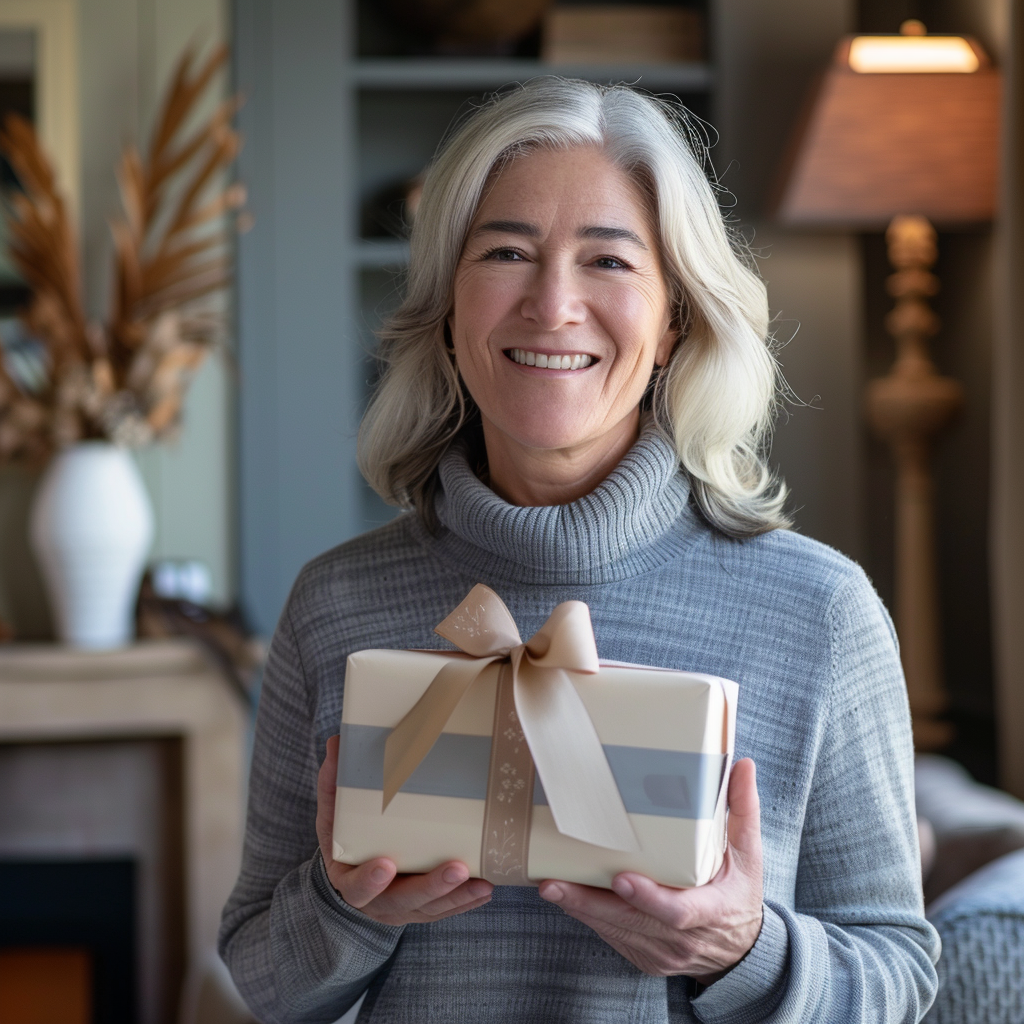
x=447, y=73
x=374, y=253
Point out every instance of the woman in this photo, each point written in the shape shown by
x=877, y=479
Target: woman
x=570, y=271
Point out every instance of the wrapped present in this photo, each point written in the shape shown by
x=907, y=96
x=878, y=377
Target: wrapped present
x=532, y=761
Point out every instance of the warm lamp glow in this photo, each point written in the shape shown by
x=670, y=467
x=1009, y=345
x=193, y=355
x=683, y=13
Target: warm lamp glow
x=912, y=54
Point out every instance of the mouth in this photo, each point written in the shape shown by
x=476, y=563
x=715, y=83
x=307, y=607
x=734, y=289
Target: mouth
x=549, y=360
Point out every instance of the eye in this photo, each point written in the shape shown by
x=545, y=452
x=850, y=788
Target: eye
x=503, y=254
x=610, y=263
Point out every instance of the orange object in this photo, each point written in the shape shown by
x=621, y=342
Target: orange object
x=45, y=986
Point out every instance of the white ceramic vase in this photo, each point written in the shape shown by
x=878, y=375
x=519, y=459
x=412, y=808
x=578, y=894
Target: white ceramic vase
x=91, y=529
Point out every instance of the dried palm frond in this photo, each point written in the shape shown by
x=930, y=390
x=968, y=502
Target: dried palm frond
x=166, y=255
x=127, y=381
x=44, y=248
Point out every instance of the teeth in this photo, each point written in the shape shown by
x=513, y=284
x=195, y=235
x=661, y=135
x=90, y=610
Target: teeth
x=524, y=357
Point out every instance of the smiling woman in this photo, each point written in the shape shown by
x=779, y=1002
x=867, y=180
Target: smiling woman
x=597, y=152
x=577, y=391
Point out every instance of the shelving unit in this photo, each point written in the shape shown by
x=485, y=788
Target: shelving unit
x=491, y=73
x=403, y=105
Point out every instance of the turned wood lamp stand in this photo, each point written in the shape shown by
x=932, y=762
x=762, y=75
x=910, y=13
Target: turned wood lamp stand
x=907, y=408
x=903, y=130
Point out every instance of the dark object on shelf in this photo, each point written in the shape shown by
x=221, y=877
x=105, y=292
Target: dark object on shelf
x=6, y=632
x=389, y=213
x=622, y=33
x=223, y=634
x=467, y=27
x=13, y=297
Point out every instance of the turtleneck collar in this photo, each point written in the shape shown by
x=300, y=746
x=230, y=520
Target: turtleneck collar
x=635, y=520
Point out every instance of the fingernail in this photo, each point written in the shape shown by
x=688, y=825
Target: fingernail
x=554, y=893
x=453, y=875
x=378, y=875
x=623, y=888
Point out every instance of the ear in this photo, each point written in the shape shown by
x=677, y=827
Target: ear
x=666, y=346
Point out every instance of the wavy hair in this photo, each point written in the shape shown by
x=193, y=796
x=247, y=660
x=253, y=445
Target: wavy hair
x=714, y=399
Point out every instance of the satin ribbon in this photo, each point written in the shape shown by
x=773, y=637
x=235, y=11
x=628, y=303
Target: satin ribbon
x=579, y=785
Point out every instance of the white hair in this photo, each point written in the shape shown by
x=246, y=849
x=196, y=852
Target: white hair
x=716, y=396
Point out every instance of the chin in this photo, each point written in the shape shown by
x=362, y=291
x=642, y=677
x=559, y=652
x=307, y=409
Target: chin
x=552, y=433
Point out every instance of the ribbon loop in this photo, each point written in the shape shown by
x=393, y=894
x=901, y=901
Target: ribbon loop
x=566, y=640
x=481, y=625
x=580, y=788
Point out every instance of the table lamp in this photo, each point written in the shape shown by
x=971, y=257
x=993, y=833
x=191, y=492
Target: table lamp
x=902, y=131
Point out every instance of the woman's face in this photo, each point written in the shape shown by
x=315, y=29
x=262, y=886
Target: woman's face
x=560, y=309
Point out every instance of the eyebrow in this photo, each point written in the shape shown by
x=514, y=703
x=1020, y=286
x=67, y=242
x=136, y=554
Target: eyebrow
x=518, y=227
x=612, y=235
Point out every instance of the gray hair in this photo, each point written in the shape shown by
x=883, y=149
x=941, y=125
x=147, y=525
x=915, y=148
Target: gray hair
x=714, y=399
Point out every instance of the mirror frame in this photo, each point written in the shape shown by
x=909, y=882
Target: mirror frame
x=55, y=23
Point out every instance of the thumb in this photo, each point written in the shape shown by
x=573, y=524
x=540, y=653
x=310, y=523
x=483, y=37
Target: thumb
x=744, y=812
x=326, y=786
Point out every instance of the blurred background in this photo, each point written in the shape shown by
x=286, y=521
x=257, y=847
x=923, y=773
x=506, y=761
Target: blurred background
x=343, y=105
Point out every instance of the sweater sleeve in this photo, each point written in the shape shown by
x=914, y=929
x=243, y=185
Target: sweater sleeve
x=296, y=950
x=855, y=947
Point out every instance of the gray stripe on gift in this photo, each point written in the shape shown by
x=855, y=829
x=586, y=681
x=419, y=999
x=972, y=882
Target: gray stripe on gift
x=666, y=783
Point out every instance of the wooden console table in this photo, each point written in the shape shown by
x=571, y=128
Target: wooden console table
x=152, y=690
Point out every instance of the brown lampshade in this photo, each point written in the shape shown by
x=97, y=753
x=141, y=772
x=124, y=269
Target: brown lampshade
x=872, y=146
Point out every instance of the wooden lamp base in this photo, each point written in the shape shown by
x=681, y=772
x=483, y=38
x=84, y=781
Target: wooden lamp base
x=907, y=408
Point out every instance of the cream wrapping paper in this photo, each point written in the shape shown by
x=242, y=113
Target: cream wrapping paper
x=668, y=738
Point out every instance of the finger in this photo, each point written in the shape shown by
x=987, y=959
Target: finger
x=677, y=909
x=744, y=812
x=361, y=884
x=326, y=787
x=326, y=782
x=423, y=918
x=596, y=904
x=474, y=891
x=411, y=893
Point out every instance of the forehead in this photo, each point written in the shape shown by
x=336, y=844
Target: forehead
x=580, y=183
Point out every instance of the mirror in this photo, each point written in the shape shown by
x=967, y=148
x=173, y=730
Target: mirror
x=17, y=95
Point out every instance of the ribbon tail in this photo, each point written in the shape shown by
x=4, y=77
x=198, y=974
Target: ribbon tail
x=410, y=741
x=584, y=799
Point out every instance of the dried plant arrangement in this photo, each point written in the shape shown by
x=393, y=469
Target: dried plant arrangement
x=124, y=380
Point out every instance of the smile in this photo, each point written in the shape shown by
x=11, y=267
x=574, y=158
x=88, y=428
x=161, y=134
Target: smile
x=569, y=361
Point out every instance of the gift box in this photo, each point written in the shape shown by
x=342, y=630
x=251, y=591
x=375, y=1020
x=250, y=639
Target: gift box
x=532, y=761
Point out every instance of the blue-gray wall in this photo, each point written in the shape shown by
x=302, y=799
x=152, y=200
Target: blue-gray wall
x=299, y=351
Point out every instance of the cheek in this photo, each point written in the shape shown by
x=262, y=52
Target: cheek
x=481, y=300
x=636, y=321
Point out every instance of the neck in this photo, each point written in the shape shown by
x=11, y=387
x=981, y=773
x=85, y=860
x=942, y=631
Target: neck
x=532, y=477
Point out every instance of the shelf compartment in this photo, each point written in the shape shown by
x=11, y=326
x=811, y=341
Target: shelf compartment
x=489, y=73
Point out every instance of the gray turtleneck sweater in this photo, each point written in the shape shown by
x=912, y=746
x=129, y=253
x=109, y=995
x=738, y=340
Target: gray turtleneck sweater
x=823, y=712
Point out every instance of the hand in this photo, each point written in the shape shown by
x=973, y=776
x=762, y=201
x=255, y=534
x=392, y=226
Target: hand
x=700, y=932
x=375, y=888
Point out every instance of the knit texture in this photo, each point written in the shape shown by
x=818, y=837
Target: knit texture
x=981, y=922
x=822, y=711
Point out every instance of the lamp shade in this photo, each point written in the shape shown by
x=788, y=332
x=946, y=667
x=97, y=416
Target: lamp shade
x=872, y=146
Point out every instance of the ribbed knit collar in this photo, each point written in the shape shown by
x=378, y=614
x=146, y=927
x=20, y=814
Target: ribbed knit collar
x=637, y=519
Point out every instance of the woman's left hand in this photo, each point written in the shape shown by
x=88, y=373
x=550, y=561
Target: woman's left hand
x=699, y=932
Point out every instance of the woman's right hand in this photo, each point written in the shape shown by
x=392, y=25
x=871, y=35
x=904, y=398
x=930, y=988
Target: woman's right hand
x=375, y=888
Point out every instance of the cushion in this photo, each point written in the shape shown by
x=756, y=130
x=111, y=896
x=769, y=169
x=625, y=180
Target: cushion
x=981, y=922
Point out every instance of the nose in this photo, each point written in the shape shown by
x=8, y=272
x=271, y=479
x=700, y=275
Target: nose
x=553, y=297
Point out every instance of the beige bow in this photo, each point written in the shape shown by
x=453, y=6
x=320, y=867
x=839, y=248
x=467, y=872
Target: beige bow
x=581, y=791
